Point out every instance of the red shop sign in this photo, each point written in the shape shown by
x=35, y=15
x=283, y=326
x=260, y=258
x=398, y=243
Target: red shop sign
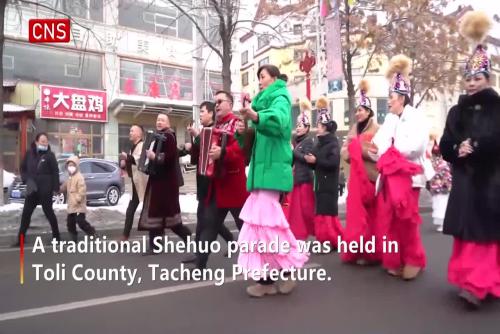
x=73, y=104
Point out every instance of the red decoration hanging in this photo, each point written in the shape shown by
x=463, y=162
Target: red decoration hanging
x=175, y=90
x=154, y=88
x=129, y=86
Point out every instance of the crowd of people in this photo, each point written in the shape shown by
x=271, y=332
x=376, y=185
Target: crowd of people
x=388, y=166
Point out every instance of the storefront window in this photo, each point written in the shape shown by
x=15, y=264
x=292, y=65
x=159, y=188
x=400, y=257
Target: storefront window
x=156, y=80
x=74, y=138
x=124, y=144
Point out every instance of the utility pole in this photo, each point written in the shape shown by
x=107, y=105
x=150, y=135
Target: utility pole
x=198, y=71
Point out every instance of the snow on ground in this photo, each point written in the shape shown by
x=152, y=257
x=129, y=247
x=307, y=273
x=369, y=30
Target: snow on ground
x=11, y=207
x=188, y=202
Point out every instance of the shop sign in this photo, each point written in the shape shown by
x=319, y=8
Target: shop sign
x=77, y=104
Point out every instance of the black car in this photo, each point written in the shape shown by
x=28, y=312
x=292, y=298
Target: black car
x=103, y=179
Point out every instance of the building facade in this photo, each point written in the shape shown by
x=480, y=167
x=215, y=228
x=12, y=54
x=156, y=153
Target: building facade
x=126, y=61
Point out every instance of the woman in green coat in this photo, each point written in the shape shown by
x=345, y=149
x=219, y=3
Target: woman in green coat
x=270, y=174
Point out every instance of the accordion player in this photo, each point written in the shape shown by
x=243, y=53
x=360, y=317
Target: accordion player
x=208, y=137
x=145, y=165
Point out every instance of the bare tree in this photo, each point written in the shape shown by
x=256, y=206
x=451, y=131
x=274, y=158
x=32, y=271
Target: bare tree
x=226, y=15
x=417, y=28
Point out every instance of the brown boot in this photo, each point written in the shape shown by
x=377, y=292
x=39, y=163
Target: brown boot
x=285, y=287
x=260, y=290
x=410, y=272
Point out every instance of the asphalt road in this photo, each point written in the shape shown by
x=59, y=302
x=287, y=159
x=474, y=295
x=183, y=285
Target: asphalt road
x=358, y=300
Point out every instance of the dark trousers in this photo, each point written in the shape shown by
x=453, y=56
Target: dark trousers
x=180, y=230
x=223, y=231
x=30, y=204
x=212, y=220
x=78, y=218
x=131, y=209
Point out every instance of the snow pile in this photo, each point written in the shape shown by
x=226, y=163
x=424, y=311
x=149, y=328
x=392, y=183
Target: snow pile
x=188, y=203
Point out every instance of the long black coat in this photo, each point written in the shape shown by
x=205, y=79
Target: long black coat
x=42, y=168
x=161, y=202
x=302, y=172
x=326, y=170
x=473, y=212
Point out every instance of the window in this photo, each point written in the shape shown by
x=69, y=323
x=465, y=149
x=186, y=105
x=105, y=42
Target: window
x=85, y=9
x=347, y=112
x=73, y=138
x=85, y=168
x=381, y=110
x=171, y=82
x=244, y=79
x=262, y=41
x=146, y=16
x=244, y=58
x=212, y=29
x=52, y=66
x=264, y=61
x=101, y=168
x=297, y=29
x=214, y=84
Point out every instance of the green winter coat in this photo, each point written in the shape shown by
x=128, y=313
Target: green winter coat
x=271, y=159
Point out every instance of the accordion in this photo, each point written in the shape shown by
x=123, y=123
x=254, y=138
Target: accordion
x=145, y=165
x=208, y=138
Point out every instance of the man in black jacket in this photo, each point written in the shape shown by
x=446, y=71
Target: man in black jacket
x=207, y=119
x=40, y=173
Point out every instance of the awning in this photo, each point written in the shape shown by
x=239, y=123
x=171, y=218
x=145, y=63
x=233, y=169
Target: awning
x=10, y=83
x=145, y=104
x=13, y=110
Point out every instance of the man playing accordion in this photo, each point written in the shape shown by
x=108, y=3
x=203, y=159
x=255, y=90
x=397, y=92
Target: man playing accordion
x=223, y=163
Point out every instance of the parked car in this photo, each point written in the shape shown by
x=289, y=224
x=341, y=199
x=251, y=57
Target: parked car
x=103, y=179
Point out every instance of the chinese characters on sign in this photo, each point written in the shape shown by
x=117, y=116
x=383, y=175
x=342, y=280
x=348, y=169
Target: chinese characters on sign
x=73, y=103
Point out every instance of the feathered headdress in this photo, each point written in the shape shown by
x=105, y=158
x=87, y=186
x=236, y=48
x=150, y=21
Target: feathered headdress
x=364, y=101
x=474, y=26
x=305, y=105
x=322, y=108
x=398, y=74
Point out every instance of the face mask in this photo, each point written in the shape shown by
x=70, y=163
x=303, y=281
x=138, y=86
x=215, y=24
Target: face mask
x=42, y=148
x=71, y=169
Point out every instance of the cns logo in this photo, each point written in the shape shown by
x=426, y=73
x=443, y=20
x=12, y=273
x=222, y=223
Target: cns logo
x=49, y=30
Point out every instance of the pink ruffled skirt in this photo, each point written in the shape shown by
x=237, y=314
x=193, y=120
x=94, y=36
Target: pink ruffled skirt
x=475, y=267
x=265, y=222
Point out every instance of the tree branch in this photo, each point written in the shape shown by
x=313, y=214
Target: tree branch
x=198, y=28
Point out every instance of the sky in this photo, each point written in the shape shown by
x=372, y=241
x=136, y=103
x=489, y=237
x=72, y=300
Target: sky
x=491, y=7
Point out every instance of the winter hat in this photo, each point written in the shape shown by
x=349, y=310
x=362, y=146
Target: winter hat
x=364, y=101
x=398, y=74
x=322, y=109
x=474, y=26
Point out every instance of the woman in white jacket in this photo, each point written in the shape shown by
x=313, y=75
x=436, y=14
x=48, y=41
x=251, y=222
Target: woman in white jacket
x=406, y=128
